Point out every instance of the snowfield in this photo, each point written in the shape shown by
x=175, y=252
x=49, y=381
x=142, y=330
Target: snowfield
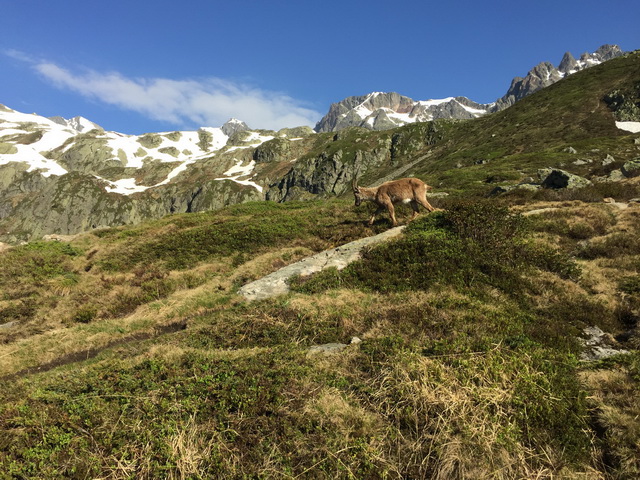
x=171, y=147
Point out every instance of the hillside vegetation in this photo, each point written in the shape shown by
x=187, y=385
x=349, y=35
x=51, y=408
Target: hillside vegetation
x=454, y=351
x=150, y=366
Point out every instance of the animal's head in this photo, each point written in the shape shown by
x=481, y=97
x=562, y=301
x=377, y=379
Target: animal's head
x=356, y=192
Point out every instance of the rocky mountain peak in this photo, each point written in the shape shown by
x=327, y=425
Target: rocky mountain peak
x=79, y=124
x=381, y=111
x=545, y=74
x=233, y=125
x=567, y=63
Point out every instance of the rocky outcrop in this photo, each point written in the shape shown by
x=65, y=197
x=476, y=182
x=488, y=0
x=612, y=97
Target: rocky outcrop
x=332, y=170
x=277, y=149
x=77, y=202
x=556, y=178
x=552, y=178
x=631, y=168
x=233, y=125
x=277, y=282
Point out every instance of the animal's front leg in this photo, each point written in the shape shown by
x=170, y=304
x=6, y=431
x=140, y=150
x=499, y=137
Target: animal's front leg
x=378, y=211
x=392, y=214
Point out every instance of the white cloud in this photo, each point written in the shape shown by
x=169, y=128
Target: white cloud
x=197, y=102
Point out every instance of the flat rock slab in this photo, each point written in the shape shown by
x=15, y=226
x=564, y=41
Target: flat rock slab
x=339, y=257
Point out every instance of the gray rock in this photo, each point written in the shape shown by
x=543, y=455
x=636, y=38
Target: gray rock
x=276, y=150
x=233, y=125
x=556, y=178
x=276, y=283
x=326, y=349
x=631, y=168
x=608, y=160
x=598, y=345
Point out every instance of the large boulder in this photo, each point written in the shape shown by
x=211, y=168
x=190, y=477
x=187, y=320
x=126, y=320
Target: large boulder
x=556, y=178
x=631, y=168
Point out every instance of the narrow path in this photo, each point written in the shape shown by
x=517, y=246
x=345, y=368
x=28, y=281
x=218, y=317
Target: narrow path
x=339, y=257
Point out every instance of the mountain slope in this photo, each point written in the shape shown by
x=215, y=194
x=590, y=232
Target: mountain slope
x=128, y=352
x=55, y=179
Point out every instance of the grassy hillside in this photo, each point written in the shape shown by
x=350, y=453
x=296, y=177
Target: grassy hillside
x=537, y=131
x=134, y=358
x=127, y=352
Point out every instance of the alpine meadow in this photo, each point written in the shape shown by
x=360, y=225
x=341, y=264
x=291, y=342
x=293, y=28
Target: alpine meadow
x=495, y=337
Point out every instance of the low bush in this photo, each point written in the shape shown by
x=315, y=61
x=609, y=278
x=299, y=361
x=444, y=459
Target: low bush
x=471, y=244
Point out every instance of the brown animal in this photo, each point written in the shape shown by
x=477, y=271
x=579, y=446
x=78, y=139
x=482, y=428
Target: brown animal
x=404, y=190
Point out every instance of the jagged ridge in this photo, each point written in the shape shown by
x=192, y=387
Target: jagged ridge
x=381, y=111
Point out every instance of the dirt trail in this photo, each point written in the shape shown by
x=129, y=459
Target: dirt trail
x=82, y=355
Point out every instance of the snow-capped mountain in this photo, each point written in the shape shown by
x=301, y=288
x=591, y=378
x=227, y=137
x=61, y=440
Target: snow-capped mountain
x=545, y=74
x=55, y=178
x=79, y=124
x=56, y=146
x=381, y=111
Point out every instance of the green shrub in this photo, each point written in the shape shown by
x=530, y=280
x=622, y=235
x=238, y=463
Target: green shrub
x=34, y=263
x=471, y=244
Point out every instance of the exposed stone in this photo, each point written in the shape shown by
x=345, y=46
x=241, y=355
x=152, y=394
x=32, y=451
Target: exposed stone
x=232, y=126
x=608, y=160
x=275, y=150
x=556, y=178
x=631, y=168
x=276, y=283
x=326, y=349
x=598, y=345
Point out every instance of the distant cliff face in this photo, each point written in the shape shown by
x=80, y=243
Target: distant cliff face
x=381, y=111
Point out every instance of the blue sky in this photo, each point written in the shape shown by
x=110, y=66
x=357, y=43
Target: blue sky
x=146, y=66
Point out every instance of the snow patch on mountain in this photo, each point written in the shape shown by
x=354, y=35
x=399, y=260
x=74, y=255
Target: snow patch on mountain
x=36, y=141
x=633, y=127
x=238, y=171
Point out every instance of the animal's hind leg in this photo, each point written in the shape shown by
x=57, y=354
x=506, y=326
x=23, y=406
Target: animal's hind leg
x=416, y=209
x=392, y=214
